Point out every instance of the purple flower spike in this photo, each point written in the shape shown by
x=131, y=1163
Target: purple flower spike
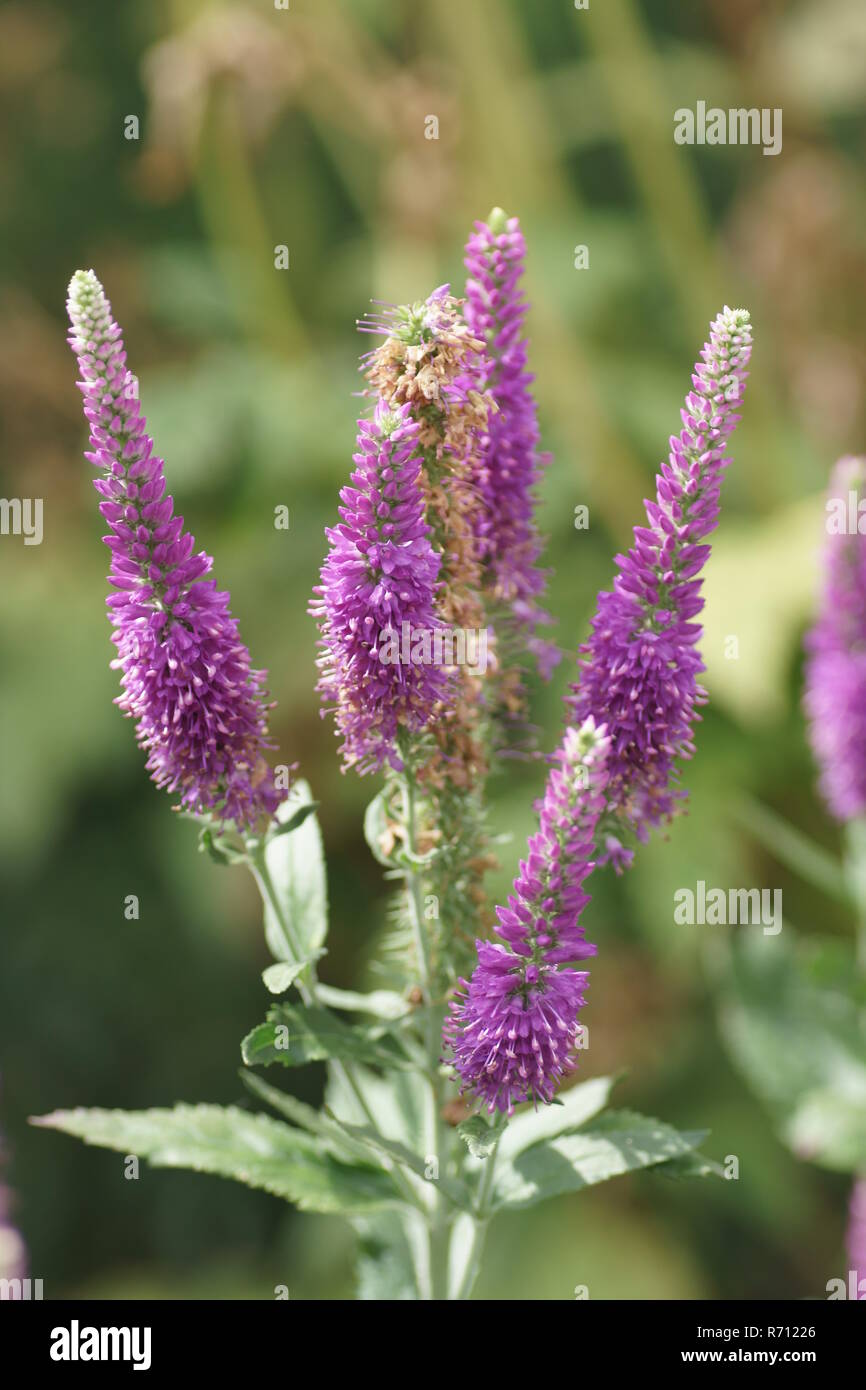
x=513, y=1029
x=510, y=464
x=186, y=676
x=375, y=605
x=835, y=697
x=639, y=670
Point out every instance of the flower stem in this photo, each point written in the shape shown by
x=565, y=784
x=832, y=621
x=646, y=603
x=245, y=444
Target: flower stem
x=414, y=892
x=309, y=995
x=438, y=1226
x=855, y=872
x=480, y=1222
x=264, y=883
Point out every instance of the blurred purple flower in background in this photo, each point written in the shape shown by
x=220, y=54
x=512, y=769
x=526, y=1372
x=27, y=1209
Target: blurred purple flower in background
x=835, y=700
x=835, y=694
x=186, y=675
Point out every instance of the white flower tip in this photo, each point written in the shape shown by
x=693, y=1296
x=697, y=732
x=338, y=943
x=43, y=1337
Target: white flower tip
x=734, y=318
x=82, y=279
x=580, y=745
x=85, y=288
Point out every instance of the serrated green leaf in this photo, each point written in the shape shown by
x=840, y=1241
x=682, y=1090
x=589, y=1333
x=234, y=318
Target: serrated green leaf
x=296, y=865
x=333, y=1137
x=479, y=1136
x=398, y=1102
x=801, y=1043
x=295, y=1034
x=232, y=1143
x=576, y=1105
x=691, y=1165
x=292, y=1109
x=614, y=1143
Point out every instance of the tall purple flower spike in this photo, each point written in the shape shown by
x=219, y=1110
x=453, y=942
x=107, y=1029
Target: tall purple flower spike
x=835, y=695
x=835, y=703
x=511, y=465
x=639, y=670
x=513, y=1029
x=378, y=583
x=200, y=708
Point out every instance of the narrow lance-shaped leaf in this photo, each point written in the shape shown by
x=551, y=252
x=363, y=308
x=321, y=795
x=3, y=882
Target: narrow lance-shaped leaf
x=575, y=1106
x=295, y=863
x=614, y=1143
x=297, y=1112
x=232, y=1143
x=386, y=1004
x=398, y=1102
x=454, y=1191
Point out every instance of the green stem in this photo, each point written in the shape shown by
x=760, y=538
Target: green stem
x=855, y=873
x=309, y=995
x=438, y=1224
x=796, y=851
x=485, y=1186
x=414, y=892
x=481, y=1220
x=265, y=884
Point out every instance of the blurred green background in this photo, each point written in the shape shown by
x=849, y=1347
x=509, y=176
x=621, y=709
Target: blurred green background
x=305, y=127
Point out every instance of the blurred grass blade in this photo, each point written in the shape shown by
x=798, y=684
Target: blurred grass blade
x=795, y=850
